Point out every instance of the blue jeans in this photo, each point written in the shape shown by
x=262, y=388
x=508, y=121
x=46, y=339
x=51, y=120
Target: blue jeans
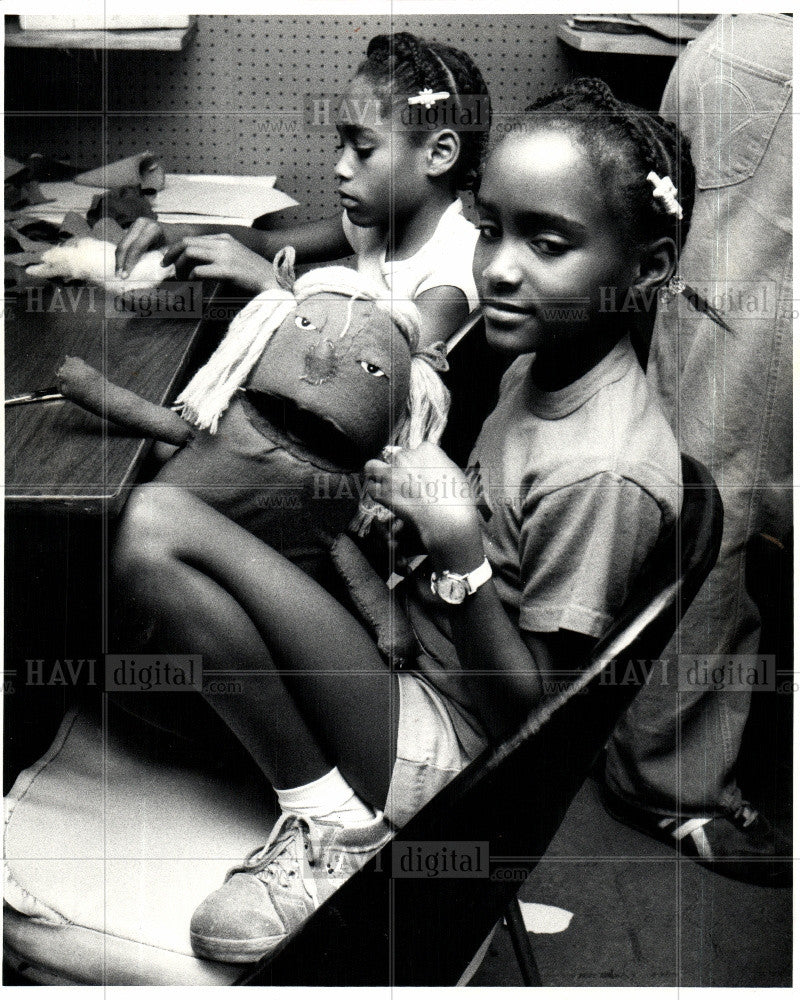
x=728, y=395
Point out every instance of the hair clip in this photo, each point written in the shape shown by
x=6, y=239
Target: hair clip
x=664, y=191
x=674, y=287
x=428, y=98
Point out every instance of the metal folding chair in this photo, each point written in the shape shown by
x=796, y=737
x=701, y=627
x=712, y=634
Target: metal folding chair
x=379, y=929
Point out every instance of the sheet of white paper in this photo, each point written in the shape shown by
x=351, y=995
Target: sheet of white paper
x=542, y=919
x=185, y=198
x=243, y=197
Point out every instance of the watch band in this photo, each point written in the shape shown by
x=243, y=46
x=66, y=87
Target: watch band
x=478, y=576
x=454, y=588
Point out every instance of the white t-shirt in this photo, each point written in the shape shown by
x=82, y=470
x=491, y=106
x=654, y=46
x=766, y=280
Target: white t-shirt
x=446, y=259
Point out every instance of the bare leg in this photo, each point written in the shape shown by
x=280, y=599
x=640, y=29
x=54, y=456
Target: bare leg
x=316, y=691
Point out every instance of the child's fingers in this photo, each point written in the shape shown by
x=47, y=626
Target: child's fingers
x=375, y=471
x=173, y=253
x=142, y=234
x=205, y=248
x=378, y=480
x=125, y=244
x=207, y=271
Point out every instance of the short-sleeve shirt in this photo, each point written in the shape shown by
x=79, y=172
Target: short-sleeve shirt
x=446, y=259
x=575, y=487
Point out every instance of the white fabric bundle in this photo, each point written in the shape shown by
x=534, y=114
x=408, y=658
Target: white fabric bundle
x=88, y=259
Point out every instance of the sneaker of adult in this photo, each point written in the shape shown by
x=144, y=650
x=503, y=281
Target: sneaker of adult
x=741, y=844
x=277, y=888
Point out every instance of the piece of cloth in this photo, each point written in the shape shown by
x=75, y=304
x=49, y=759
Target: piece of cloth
x=429, y=752
x=261, y=479
x=575, y=488
x=143, y=170
x=446, y=259
x=328, y=797
x=86, y=258
x=728, y=396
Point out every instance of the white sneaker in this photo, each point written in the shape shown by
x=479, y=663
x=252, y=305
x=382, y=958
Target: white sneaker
x=277, y=888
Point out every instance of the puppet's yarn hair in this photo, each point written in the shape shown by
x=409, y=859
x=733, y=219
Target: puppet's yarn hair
x=284, y=267
x=425, y=419
x=427, y=408
x=207, y=396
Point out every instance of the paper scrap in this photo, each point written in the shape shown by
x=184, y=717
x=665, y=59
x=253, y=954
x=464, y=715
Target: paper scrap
x=222, y=200
x=239, y=197
x=542, y=919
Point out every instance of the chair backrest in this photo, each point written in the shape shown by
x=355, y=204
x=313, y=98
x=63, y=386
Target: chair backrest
x=379, y=929
x=473, y=379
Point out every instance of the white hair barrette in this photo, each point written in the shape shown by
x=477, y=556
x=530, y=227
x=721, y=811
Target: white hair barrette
x=428, y=97
x=664, y=191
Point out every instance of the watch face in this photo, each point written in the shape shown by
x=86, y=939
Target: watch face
x=451, y=589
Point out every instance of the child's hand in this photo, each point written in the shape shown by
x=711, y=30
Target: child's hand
x=425, y=488
x=143, y=235
x=222, y=257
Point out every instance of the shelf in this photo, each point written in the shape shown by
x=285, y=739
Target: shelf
x=640, y=44
x=132, y=40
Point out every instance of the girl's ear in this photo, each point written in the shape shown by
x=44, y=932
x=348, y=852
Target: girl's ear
x=657, y=263
x=441, y=152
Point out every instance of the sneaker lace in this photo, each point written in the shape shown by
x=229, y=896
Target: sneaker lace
x=293, y=840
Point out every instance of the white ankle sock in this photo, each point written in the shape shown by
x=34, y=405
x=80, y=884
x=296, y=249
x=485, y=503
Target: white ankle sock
x=329, y=798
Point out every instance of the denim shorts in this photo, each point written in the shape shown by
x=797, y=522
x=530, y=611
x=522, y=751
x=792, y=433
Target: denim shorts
x=429, y=753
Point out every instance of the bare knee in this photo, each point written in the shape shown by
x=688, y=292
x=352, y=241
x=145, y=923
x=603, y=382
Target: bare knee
x=146, y=531
x=143, y=561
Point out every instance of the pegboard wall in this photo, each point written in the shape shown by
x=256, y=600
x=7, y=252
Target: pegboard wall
x=233, y=101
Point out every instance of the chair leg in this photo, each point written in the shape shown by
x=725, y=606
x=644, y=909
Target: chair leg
x=522, y=944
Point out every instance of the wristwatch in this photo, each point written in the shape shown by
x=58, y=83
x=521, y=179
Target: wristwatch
x=455, y=588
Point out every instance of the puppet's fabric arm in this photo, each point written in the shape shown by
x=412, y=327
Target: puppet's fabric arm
x=90, y=389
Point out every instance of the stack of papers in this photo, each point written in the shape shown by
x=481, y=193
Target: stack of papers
x=200, y=198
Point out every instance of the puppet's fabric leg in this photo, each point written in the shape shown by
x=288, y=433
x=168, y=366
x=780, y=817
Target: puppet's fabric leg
x=315, y=690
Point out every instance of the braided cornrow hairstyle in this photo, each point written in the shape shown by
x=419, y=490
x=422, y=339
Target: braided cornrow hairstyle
x=624, y=144
x=401, y=65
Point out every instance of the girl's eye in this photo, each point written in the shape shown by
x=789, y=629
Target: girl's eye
x=549, y=247
x=373, y=370
x=303, y=324
x=363, y=152
x=488, y=231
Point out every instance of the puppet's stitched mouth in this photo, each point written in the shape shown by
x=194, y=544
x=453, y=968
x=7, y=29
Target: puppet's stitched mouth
x=311, y=432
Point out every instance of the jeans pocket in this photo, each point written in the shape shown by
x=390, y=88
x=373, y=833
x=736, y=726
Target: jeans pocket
x=740, y=104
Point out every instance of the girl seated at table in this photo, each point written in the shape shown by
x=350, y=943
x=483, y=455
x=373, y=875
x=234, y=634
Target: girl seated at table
x=412, y=127
x=574, y=477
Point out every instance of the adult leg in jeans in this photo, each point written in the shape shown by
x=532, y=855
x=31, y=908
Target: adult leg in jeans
x=729, y=398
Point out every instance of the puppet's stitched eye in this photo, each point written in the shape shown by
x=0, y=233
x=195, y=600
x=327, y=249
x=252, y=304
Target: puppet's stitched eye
x=303, y=324
x=373, y=370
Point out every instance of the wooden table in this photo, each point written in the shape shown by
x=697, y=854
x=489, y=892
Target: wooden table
x=59, y=458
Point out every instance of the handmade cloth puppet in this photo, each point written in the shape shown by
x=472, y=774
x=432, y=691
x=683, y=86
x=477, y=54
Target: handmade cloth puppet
x=306, y=386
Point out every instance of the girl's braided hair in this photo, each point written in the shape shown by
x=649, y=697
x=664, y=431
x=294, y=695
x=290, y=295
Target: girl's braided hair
x=401, y=65
x=624, y=144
